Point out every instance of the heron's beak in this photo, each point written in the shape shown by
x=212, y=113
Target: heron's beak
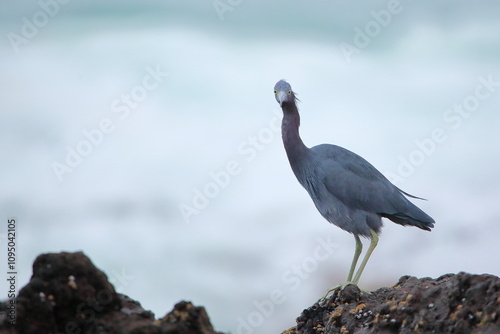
x=281, y=97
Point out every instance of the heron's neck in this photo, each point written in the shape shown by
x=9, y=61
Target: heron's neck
x=294, y=146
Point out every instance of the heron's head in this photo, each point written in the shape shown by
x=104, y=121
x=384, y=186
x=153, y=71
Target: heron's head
x=283, y=92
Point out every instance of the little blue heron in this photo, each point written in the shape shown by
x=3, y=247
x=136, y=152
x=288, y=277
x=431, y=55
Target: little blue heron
x=346, y=189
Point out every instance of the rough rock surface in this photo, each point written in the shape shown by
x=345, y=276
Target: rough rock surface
x=461, y=303
x=68, y=294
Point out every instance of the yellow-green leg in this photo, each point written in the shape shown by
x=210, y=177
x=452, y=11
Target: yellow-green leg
x=373, y=244
x=357, y=253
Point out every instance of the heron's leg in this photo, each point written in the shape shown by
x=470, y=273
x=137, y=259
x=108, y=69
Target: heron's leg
x=357, y=252
x=373, y=244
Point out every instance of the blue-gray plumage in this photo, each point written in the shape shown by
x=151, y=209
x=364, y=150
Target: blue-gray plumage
x=346, y=189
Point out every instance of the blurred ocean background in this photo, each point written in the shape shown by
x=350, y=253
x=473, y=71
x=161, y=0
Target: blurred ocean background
x=182, y=189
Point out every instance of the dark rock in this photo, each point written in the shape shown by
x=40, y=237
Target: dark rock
x=68, y=294
x=461, y=303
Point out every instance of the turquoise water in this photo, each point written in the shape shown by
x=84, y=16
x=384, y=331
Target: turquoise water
x=147, y=135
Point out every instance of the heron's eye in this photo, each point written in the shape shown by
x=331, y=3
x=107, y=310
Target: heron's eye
x=275, y=92
x=289, y=92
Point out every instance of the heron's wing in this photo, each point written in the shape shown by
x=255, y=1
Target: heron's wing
x=355, y=182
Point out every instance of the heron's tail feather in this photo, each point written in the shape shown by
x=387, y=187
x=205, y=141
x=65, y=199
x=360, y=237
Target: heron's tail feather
x=402, y=219
x=407, y=213
x=410, y=195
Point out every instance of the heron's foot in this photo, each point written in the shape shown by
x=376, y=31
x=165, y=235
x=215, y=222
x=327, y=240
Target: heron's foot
x=341, y=287
x=333, y=289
